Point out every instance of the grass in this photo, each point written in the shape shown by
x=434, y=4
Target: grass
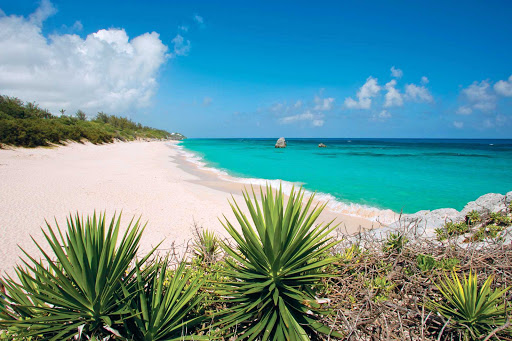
x=28, y=125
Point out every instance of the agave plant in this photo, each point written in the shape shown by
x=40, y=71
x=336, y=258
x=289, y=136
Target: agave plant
x=206, y=246
x=273, y=267
x=79, y=291
x=471, y=309
x=161, y=308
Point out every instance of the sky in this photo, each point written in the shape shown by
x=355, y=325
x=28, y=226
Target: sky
x=417, y=69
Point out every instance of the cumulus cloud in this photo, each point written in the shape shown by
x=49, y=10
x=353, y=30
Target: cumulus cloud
x=393, y=97
x=323, y=103
x=458, y=124
x=77, y=26
x=298, y=104
x=105, y=71
x=424, y=80
x=198, y=19
x=315, y=118
x=504, y=88
x=464, y=110
x=183, y=28
x=397, y=73
x=480, y=96
x=181, y=46
x=365, y=94
x=381, y=116
x=418, y=93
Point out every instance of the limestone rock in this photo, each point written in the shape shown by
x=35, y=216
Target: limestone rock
x=321, y=145
x=491, y=202
x=281, y=143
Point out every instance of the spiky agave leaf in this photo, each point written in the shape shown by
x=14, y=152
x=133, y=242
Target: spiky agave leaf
x=81, y=285
x=473, y=310
x=160, y=310
x=276, y=261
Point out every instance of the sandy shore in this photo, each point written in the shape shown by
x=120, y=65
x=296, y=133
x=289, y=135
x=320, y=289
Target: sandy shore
x=148, y=179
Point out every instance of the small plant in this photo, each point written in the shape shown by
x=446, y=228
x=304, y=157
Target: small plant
x=426, y=263
x=274, y=268
x=162, y=311
x=449, y=263
x=206, y=246
x=382, y=287
x=498, y=218
x=395, y=242
x=451, y=229
x=489, y=231
x=473, y=311
x=473, y=217
x=350, y=253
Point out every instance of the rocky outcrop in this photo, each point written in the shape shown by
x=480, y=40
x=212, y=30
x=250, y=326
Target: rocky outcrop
x=321, y=145
x=425, y=222
x=281, y=143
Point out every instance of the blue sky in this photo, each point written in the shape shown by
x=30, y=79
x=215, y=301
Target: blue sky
x=268, y=69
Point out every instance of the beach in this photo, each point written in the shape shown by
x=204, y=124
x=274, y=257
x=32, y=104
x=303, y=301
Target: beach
x=151, y=180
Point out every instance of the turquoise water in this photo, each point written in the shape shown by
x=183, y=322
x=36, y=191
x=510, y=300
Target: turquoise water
x=396, y=174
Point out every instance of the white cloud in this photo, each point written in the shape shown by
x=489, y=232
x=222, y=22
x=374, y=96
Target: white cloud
x=424, y=80
x=480, y=97
x=183, y=28
x=315, y=118
x=393, y=97
x=181, y=46
x=318, y=123
x=418, y=93
x=458, y=124
x=381, y=116
x=198, y=19
x=43, y=12
x=323, y=103
x=105, y=71
x=77, y=26
x=504, y=88
x=277, y=107
x=397, y=73
x=207, y=101
x=364, y=95
x=298, y=104
x=464, y=110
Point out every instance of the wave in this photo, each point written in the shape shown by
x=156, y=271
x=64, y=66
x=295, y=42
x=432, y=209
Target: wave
x=384, y=216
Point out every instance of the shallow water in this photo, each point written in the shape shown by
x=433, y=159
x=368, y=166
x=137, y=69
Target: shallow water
x=396, y=174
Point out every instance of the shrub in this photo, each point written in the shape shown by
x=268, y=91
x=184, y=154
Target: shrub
x=274, y=268
x=80, y=291
x=162, y=303
x=472, y=217
x=206, y=246
x=395, y=242
x=473, y=311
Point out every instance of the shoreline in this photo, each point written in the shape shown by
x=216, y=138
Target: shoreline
x=377, y=215
x=146, y=179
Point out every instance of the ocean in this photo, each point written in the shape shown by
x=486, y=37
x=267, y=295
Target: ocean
x=402, y=175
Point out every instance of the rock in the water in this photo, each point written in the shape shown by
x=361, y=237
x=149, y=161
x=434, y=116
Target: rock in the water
x=281, y=143
x=321, y=145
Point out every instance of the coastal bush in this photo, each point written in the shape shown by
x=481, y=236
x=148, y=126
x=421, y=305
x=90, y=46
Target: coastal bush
x=80, y=290
x=473, y=311
x=206, y=246
x=27, y=125
x=473, y=217
x=395, y=242
x=161, y=303
x=274, y=267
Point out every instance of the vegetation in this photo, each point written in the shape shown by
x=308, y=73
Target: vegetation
x=274, y=267
x=280, y=277
x=28, y=125
x=473, y=310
